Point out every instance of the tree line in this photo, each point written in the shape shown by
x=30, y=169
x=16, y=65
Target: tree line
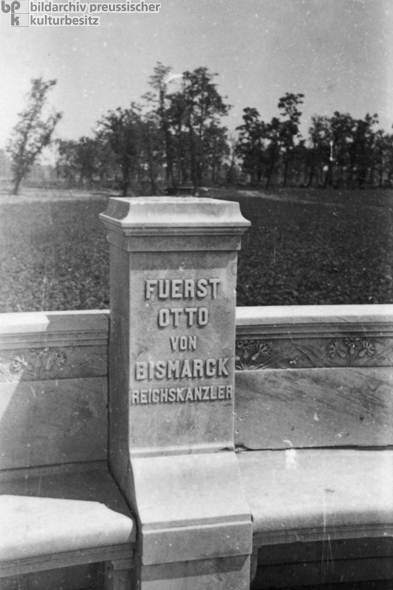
x=340, y=151
x=176, y=137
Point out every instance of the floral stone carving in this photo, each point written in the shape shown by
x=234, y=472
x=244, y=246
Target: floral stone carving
x=38, y=362
x=351, y=349
x=250, y=355
x=337, y=352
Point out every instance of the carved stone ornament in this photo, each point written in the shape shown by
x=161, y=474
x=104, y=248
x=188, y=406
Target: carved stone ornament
x=351, y=349
x=251, y=355
x=38, y=362
x=347, y=351
x=33, y=364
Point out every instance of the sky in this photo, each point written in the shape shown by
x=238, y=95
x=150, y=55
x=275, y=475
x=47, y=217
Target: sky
x=338, y=53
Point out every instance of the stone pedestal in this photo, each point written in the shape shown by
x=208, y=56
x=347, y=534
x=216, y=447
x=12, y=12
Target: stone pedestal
x=172, y=350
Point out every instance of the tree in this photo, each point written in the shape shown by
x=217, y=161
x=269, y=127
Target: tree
x=153, y=154
x=85, y=160
x=250, y=146
x=186, y=110
x=158, y=99
x=67, y=160
x=288, y=107
x=382, y=150
x=32, y=133
x=363, y=151
x=273, y=133
x=216, y=151
x=123, y=131
x=320, y=136
x=203, y=108
x=341, y=159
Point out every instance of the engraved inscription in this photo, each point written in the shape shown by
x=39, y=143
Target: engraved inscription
x=181, y=394
x=183, y=343
x=189, y=316
x=192, y=315
x=181, y=288
x=187, y=369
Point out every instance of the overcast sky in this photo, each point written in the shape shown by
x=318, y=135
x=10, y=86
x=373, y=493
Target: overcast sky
x=339, y=53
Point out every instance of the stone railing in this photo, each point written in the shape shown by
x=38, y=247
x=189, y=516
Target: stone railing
x=291, y=337
x=329, y=380
x=53, y=364
x=67, y=347
x=194, y=385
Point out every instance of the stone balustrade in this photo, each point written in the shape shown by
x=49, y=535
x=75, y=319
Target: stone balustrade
x=238, y=436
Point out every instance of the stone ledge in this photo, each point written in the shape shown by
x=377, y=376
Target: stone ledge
x=172, y=213
x=92, y=326
x=61, y=509
x=55, y=328
x=173, y=224
x=313, y=320
x=310, y=495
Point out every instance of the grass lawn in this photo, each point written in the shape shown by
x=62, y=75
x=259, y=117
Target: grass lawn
x=318, y=247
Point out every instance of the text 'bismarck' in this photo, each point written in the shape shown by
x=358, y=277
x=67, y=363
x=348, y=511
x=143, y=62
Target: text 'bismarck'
x=177, y=369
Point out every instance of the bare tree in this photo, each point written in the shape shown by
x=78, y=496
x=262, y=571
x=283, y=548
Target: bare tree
x=32, y=133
